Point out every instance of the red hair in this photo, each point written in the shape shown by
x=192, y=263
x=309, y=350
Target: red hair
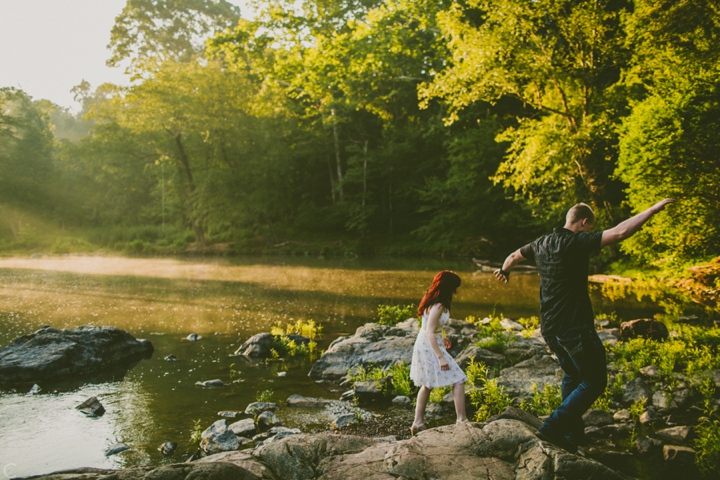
x=441, y=291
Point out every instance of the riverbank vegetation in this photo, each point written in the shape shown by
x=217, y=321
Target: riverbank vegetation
x=383, y=126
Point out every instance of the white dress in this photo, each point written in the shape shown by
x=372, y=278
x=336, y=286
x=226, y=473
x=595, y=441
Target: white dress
x=425, y=369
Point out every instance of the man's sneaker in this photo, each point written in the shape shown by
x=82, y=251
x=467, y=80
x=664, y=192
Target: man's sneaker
x=557, y=440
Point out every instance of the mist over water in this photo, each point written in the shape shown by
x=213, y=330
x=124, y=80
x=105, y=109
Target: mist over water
x=226, y=302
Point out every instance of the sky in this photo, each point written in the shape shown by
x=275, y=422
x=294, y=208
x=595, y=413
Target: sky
x=49, y=46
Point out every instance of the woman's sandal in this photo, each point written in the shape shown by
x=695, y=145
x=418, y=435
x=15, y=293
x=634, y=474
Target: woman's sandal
x=415, y=429
x=463, y=421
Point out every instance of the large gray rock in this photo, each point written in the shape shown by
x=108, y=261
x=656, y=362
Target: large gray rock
x=540, y=370
x=244, y=428
x=678, y=435
x=491, y=359
x=372, y=344
x=218, y=438
x=215, y=469
x=52, y=354
x=636, y=390
x=504, y=449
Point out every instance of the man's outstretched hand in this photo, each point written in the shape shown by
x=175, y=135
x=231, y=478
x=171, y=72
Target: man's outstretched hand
x=500, y=275
x=661, y=205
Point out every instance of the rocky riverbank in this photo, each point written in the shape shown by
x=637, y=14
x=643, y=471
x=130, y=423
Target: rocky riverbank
x=649, y=421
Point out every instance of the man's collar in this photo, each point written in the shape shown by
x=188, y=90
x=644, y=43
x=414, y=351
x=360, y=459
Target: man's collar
x=562, y=230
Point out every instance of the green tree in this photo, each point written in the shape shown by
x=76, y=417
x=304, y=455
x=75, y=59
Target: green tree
x=669, y=144
x=150, y=32
x=561, y=60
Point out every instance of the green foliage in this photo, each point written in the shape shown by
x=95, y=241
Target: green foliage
x=401, y=383
x=544, y=401
x=707, y=446
x=437, y=393
x=264, y=396
x=196, y=434
x=283, y=345
x=497, y=343
x=486, y=396
x=393, y=314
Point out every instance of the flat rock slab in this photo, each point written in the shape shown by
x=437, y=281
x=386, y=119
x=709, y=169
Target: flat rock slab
x=540, y=370
x=52, y=354
x=504, y=449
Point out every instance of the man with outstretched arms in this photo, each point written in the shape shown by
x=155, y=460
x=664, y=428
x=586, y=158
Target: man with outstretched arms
x=567, y=319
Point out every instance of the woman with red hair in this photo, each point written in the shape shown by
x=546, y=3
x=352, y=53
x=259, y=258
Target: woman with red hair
x=432, y=366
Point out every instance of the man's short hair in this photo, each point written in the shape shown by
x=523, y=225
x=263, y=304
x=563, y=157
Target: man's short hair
x=578, y=212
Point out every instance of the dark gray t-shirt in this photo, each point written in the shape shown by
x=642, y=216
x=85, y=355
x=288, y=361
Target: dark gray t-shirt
x=563, y=259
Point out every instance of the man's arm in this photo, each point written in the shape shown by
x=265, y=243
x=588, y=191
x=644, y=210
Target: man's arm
x=629, y=227
x=512, y=260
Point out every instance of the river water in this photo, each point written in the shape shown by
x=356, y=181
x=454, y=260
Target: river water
x=224, y=301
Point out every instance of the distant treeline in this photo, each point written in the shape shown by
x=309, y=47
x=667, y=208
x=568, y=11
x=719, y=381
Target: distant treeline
x=412, y=126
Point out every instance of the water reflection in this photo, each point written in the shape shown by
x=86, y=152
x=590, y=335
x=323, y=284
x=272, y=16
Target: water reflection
x=166, y=299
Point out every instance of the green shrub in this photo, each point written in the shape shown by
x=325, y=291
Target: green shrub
x=546, y=401
x=393, y=314
x=264, y=396
x=497, y=343
x=401, y=383
x=707, y=446
x=488, y=400
x=437, y=393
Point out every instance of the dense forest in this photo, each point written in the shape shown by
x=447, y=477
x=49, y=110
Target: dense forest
x=377, y=126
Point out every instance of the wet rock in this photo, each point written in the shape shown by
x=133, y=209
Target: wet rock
x=269, y=419
x=636, y=390
x=647, y=445
x=243, y=428
x=597, y=418
x=170, y=358
x=678, y=454
x=91, y=407
x=229, y=414
x=259, y=345
x=508, y=324
x=491, y=359
x=622, y=416
x=218, y=438
x=402, y=401
x=115, y=449
x=347, y=396
x=282, y=374
x=211, y=383
x=344, y=421
x=193, y=337
x=35, y=389
x=296, y=400
x=540, y=370
x=256, y=408
x=643, y=327
x=51, y=354
x=677, y=435
x=168, y=448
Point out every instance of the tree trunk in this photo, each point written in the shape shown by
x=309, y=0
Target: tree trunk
x=337, y=155
x=189, y=191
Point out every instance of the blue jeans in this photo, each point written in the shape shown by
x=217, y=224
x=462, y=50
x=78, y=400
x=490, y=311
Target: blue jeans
x=582, y=357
